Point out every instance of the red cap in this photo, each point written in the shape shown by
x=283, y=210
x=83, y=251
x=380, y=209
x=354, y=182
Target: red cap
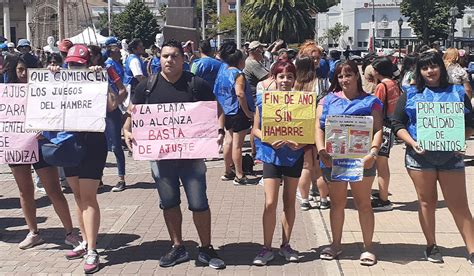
x=65, y=45
x=78, y=53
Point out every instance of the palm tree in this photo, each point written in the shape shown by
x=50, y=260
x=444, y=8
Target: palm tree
x=286, y=19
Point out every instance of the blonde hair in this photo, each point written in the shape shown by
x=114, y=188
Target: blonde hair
x=451, y=56
x=308, y=47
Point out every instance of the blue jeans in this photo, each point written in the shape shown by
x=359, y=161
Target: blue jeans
x=113, y=128
x=192, y=174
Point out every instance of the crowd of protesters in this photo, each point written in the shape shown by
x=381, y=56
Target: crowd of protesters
x=236, y=79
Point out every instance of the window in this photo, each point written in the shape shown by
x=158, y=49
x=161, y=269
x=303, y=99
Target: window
x=366, y=44
x=387, y=33
x=231, y=7
x=360, y=44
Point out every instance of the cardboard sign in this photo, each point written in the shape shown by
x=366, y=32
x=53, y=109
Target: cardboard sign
x=68, y=100
x=348, y=136
x=347, y=170
x=16, y=145
x=440, y=126
x=175, y=131
x=288, y=115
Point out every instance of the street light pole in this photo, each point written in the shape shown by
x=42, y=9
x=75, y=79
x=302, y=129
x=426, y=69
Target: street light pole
x=238, y=38
x=203, y=23
x=453, y=12
x=218, y=22
x=400, y=23
x=109, y=15
x=373, y=25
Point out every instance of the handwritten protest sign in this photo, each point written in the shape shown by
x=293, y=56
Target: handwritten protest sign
x=348, y=136
x=70, y=100
x=16, y=145
x=440, y=126
x=175, y=131
x=347, y=170
x=288, y=115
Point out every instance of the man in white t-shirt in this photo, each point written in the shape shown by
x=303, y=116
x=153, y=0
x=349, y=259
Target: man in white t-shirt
x=135, y=70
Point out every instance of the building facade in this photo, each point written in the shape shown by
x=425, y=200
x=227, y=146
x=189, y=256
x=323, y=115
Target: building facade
x=357, y=15
x=38, y=19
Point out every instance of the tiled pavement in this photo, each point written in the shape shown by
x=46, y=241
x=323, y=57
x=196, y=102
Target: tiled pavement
x=133, y=235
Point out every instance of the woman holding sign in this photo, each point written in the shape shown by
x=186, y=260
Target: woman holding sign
x=281, y=159
x=348, y=98
x=84, y=179
x=50, y=179
x=436, y=157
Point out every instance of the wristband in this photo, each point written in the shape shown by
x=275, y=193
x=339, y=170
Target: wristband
x=221, y=131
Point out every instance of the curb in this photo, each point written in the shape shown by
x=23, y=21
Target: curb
x=323, y=237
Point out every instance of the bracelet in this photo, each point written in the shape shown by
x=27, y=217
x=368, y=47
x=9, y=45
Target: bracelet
x=221, y=131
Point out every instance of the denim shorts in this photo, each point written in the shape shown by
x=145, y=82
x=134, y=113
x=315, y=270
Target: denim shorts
x=433, y=160
x=168, y=174
x=367, y=173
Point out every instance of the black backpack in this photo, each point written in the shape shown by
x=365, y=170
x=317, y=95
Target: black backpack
x=152, y=80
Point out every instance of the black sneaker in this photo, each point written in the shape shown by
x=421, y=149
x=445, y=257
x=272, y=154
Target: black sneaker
x=314, y=192
x=305, y=206
x=241, y=181
x=207, y=255
x=381, y=205
x=471, y=259
x=376, y=195
x=433, y=254
x=228, y=176
x=324, y=205
x=176, y=255
x=119, y=187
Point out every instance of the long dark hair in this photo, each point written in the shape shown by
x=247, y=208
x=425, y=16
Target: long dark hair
x=427, y=59
x=230, y=54
x=14, y=77
x=409, y=63
x=384, y=66
x=305, y=73
x=348, y=65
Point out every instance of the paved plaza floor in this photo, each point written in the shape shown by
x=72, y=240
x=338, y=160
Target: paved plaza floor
x=133, y=235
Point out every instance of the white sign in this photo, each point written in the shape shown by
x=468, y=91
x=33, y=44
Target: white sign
x=348, y=136
x=68, y=100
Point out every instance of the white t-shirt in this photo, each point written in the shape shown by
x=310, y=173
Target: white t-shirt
x=136, y=67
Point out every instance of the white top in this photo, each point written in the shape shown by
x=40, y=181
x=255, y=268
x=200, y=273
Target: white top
x=136, y=67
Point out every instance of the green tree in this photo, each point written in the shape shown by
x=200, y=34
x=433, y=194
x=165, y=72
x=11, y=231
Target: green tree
x=430, y=19
x=136, y=21
x=286, y=19
x=336, y=32
x=103, y=24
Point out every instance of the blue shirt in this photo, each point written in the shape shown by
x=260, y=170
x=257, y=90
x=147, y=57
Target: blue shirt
x=323, y=70
x=206, y=68
x=224, y=89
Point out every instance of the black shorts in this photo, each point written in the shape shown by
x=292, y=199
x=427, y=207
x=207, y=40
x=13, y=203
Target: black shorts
x=92, y=166
x=275, y=171
x=38, y=165
x=237, y=122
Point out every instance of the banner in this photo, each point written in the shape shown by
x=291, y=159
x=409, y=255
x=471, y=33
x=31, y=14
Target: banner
x=348, y=136
x=440, y=126
x=288, y=115
x=175, y=131
x=68, y=100
x=16, y=145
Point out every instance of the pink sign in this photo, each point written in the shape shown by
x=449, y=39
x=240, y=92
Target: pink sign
x=13, y=102
x=175, y=131
x=17, y=147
